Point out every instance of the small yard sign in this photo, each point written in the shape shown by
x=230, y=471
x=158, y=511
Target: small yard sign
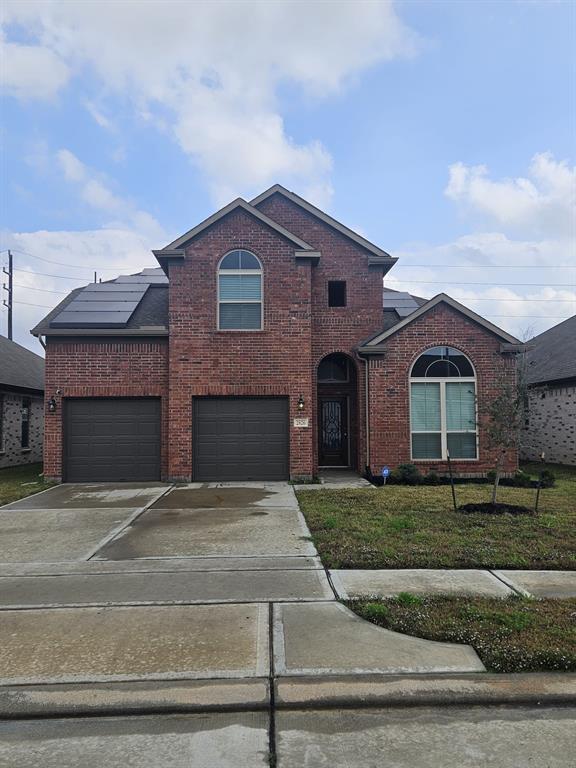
x=385, y=473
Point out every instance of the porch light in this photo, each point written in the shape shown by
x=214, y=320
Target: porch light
x=52, y=405
x=300, y=403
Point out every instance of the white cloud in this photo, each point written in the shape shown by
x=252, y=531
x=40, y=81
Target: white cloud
x=31, y=72
x=543, y=203
x=208, y=73
x=39, y=286
x=520, y=285
x=96, y=193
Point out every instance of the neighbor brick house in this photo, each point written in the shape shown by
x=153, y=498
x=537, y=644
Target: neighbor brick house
x=549, y=368
x=265, y=348
x=21, y=405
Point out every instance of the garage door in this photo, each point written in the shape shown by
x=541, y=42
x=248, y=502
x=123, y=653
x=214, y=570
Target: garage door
x=112, y=439
x=240, y=438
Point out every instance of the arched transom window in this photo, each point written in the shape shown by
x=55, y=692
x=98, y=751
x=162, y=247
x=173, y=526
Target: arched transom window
x=240, y=292
x=443, y=406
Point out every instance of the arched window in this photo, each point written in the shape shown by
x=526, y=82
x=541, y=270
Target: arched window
x=443, y=406
x=240, y=292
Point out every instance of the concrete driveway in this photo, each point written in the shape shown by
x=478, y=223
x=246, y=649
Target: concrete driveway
x=133, y=582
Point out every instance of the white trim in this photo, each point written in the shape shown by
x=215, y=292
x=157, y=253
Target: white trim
x=260, y=301
x=441, y=297
x=443, y=431
x=184, y=239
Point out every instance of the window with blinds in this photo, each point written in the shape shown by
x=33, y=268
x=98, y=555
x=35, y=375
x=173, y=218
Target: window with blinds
x=443, y=406
x=240, y=292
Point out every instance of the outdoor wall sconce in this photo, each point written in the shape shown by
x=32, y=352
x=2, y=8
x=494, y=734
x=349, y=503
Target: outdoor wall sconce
x=52, y=405
x=300, y=403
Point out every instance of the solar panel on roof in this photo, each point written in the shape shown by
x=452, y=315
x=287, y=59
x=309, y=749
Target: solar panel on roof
x=401, y=302
x=110, y=304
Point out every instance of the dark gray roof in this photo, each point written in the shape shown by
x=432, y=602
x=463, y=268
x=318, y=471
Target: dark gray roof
x=553, y=354
x=397, y=305
x=19, y=367
x=127, y=304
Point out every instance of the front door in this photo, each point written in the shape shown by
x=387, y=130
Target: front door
x=333, y=431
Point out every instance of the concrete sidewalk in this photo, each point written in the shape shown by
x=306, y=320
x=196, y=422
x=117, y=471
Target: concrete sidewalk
x=453, y=581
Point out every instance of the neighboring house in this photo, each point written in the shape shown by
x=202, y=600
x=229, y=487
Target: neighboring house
x=266, y=348
x=550, y=371
x=21, y=405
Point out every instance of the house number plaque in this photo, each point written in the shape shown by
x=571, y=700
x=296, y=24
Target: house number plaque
x=302, y=422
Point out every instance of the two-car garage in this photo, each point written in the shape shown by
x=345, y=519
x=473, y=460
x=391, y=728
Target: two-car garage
x=119, y=439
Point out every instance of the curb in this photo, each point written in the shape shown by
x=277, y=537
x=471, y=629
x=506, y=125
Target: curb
x=290, y=693
x=534, y=688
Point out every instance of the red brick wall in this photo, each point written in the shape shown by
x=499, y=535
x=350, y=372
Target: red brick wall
x=206, y=361
x=336, y=329
x=101, y=368
x=389, y=391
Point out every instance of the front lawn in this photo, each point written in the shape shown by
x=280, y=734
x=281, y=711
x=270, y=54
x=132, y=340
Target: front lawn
x=18, y=482
x=399, y=526
x=510, y=635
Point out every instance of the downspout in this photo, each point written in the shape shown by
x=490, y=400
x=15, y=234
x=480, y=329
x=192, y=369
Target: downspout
x=367, y=411
x=43, y=343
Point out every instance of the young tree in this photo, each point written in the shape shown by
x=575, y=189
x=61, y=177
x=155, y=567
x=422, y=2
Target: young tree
x=505, y=417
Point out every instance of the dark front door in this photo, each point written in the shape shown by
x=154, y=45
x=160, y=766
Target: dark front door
x=240, y=438
x=333, y=431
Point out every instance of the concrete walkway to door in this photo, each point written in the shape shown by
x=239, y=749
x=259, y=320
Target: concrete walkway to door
x=119, y=586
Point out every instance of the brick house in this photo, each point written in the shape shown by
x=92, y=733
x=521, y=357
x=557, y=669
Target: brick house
x=550, y=374
x=21, y=405
x=265, y=348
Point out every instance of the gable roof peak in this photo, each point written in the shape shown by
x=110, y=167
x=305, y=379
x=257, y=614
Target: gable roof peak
x=377, y=256
x=181, y=242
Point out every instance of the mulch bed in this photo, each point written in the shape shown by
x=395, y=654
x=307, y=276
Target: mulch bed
x=496, y=509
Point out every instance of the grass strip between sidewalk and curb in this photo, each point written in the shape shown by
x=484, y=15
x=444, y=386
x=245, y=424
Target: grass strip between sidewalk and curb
x=513, y=634
x=18, y=482
x=416, y=527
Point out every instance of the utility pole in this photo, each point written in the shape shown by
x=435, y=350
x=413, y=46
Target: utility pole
x=10, y=289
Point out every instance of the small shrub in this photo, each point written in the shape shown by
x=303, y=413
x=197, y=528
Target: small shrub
x=522, y=479
x=432, y=478
x=547, y=478
x=407, y=474
x=407, y=598
x=376, y=612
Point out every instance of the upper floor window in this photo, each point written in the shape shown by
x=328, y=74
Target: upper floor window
x=337, y=293
x=240, y=292
x=25, y=422
x=443, y=405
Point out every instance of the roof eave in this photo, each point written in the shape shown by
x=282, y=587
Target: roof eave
x=442, y=298
x=338, y=226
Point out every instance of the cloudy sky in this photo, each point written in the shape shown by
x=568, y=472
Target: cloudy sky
x=442, y=131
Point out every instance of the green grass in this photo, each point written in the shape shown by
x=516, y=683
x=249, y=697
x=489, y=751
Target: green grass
x=18, y=482
x=510, y=635
x=416, y=527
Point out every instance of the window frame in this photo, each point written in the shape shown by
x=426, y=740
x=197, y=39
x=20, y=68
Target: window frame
x=26, y=407
x=219, y=301
x=444, y=431
x=2, y=429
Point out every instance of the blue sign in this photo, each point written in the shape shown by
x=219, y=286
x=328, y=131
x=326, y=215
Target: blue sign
x=385, y=471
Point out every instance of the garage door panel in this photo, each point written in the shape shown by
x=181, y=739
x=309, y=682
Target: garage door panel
x=240, y=438
x=112, y=439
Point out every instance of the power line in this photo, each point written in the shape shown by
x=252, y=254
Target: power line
x=43, y=274
x=487, y=266
x=452, y=282
x=32, y=288
x=29, y=304
x=73, y=266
